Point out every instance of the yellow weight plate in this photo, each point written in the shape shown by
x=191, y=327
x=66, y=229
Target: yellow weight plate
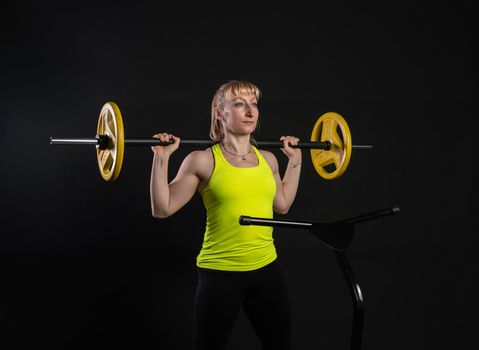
x=331, y=163
x=110, y=124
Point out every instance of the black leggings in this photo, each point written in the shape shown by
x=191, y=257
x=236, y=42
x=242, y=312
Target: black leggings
x=261, y=293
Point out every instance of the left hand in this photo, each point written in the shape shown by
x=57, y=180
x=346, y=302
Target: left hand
x=294, y=154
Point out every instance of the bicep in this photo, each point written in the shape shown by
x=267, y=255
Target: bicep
x=184, y=185
x=279, y=197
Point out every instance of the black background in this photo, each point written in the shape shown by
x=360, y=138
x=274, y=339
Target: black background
x=83, y=263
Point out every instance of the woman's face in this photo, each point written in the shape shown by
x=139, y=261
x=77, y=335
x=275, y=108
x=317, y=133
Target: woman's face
x=240, y=114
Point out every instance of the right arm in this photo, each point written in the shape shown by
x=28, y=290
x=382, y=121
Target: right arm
x=168, y=198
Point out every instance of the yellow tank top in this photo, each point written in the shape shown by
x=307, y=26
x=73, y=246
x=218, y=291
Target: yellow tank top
x=231, y=192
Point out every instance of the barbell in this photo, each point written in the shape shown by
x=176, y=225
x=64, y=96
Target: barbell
x=331, y=145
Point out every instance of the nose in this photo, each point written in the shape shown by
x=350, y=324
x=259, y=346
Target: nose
x=249, y=112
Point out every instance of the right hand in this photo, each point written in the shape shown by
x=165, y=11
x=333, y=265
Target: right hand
x=166, y=150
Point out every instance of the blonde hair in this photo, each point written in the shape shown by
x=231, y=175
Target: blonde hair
x=228, y=90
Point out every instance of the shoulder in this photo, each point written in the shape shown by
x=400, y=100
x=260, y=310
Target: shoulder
x=199, y=161
x=198, y=157
x=267, y=154
x=270, y=158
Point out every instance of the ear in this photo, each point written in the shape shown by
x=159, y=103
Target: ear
x=218, y=114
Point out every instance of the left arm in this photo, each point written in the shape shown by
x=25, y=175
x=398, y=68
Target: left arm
x=287, y=187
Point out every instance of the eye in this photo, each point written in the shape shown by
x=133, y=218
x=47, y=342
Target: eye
x=239, y=104
x=255, y=105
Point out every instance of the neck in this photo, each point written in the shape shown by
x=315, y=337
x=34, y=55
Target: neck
x=239, y=144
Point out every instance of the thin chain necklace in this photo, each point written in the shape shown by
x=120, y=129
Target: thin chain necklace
x=237, y=155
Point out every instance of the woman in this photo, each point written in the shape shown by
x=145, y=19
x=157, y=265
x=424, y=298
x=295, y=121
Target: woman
x=237, y=264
